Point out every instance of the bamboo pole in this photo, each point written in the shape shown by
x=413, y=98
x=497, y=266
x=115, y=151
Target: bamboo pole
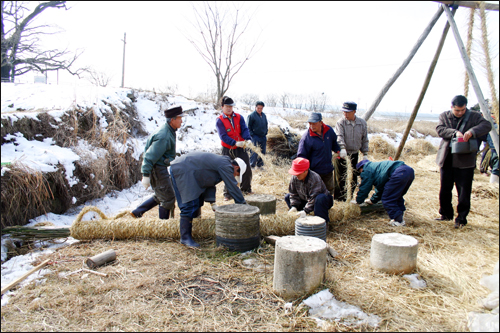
x=424, y=89
x=400, y=70
x=15, y=282
x=472, y=76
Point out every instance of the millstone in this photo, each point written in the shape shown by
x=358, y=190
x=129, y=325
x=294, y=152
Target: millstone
x=237, y=227
x=265, y=202
x=394, y=253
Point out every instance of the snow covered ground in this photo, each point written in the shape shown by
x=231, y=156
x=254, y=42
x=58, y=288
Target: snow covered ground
x=26, y=100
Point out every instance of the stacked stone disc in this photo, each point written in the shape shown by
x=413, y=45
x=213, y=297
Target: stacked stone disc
x=311, y=226
x=237, y=227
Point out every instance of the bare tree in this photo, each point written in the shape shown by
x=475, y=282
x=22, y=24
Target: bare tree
x=249, y=99
x=271, y=100
x=20, y=52
x=220, y=42
x=98, y=78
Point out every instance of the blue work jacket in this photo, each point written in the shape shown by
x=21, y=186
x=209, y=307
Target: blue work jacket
x=318, y=150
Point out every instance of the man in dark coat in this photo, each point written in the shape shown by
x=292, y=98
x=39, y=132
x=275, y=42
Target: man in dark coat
x=257, y=126
x=316, y=145
x=194, y=177
x=457, y=169
x=234, y=135
x=158, y=153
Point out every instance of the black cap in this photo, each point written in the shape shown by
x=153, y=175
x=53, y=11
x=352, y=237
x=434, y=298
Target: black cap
x=227, y=101
x=349, y=106
x=173, y=111
x=259, y=103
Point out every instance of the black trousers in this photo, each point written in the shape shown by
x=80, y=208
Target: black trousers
x=341, y=169
x=462, y=180
x=246, y=182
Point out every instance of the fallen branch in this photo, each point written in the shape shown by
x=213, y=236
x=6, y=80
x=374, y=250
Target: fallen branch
x=15, y=282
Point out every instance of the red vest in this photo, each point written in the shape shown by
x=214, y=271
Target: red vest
x=233, y=132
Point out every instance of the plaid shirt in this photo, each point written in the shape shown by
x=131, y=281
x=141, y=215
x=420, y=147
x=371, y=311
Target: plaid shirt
x=306, y=190
x=352, y=135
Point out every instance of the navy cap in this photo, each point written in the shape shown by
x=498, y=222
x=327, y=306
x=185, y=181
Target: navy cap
x=227, y=101
x=173, y=111
x=349, y=107
x=361, y=164
x=315, y=117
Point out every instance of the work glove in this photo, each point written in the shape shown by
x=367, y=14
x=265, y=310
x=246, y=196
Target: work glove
x=368, y=201
x=146, y=181
x=353, y=201
x=365, y=156
x=240, y=144
x=364, y=204
x=214, y=206
x=301, y=214
x=292, y=210
x=343, y=153
x=248, y=143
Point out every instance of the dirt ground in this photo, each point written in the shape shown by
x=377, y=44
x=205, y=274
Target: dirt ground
x=161, y=285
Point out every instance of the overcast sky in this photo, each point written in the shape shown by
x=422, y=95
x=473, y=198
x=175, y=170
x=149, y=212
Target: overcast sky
x=347, y=50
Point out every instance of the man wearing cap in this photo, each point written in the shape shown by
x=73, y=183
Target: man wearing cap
x=391, y=179
x=308, y=192
x=257, y=126
x=194, y=177
x=158, y=154
x=352, y=137
x=316, y=145
x=234, y=136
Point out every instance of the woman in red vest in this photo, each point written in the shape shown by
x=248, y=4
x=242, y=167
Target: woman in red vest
x=233, y=133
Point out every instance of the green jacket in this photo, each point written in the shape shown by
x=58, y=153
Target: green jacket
x=375, y=174
x=159, y=150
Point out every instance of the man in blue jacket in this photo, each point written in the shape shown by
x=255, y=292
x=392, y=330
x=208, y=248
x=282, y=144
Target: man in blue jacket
x=391, y=179
x=257, y=125
x=317, y=145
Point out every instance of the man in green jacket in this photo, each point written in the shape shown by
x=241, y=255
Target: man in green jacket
x=158, y=154
x=391, y=179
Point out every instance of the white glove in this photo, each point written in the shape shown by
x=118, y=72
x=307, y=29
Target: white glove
x=301, y=214
x=343, y=153
x=240, y=144
x=368, y=201
x=354, y=202
x=248, y=143
x=214, y=206
x=146, y=181
x=365, y=156
x=292, y=210
x=364, y=204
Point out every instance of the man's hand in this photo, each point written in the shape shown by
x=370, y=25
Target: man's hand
x=343, y=153
x=214, y=206
x=248, y=143
x=467, y=136
x=292, y=210
x=301, y=214
x=146, y=181
x=365, y=156
x=240, y=144
x=368, y=201
x=353, y=201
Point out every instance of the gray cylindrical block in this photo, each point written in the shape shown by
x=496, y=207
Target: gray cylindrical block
x=394, y=253
x=299, y=265
x=265, y=202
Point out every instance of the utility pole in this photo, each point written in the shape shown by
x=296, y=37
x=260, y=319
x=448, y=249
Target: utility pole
x=123, y=67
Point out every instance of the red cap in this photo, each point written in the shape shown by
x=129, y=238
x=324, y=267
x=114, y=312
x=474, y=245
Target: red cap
x=299, y=165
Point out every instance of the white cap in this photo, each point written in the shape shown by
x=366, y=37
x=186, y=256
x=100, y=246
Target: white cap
x=243, y=168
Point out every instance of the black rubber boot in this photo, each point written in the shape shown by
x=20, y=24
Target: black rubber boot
x=144, y=207
x=186, y=226
x=163, y=213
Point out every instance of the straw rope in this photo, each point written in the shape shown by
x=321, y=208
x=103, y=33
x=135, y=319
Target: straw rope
x=486, y=49
x=468, y=48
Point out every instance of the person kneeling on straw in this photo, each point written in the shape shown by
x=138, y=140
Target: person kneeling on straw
x=391, y=179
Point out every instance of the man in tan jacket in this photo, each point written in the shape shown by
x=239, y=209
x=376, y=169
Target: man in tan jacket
x=457, y=169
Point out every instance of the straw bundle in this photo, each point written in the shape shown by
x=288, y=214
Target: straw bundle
x=282, y=142
x=485, y=190
x=378, y=145
x=419, y=147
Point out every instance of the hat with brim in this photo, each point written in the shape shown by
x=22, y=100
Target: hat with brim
x=243, y=168
x=314, y=117
x=349, y=107
x=299, y=165
x=173, y=111
x=361, y=164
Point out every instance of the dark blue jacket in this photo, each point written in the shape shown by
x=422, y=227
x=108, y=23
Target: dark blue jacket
x=257, y=124
x=319, y=150
x=375, y=174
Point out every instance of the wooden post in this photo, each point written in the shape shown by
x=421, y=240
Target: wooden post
x=472, y=76
x=471, y=4
x=101, y=259
x=123, y=64
x=15, y=282
x=424, y=90
x=393, y=79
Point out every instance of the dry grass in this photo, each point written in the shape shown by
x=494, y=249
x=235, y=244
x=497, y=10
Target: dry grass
x=163, y=286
